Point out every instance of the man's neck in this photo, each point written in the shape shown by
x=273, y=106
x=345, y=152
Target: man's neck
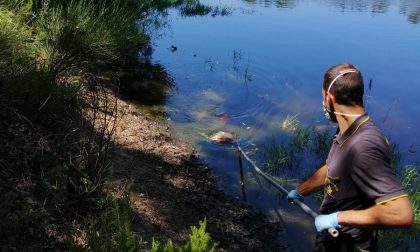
x=344, y=122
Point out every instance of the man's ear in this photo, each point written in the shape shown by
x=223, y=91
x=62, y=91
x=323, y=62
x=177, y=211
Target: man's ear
x=330, y=98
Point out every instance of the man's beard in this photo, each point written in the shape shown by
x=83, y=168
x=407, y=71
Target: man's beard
x=329, y=113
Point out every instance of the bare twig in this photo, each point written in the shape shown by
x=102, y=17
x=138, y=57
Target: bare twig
x=45, y=102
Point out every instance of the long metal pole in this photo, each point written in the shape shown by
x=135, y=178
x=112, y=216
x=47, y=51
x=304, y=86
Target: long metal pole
x=241, y=173
x=333, y=232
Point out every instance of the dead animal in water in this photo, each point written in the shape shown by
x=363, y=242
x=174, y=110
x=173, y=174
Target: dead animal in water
x=222, y=137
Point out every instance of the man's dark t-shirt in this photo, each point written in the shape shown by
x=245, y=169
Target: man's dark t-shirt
x=359, y=173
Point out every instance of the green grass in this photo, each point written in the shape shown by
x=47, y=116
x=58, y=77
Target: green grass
x=199, y=241
x=85, y=30
x=113, y=230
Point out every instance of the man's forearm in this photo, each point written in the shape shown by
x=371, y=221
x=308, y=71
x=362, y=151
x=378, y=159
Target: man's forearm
x=397, y=213
x=314, y=183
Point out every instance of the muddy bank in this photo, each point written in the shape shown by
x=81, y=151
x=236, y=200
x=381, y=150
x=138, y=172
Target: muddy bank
x=169, y=192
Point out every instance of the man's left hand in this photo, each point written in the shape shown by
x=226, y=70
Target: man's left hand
x=325, y=222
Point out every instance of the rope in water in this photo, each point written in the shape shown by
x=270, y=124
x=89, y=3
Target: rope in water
x=332, y=231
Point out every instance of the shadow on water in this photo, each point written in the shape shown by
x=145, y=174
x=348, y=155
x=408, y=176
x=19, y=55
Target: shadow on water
x=147, y=85
x=239, y=179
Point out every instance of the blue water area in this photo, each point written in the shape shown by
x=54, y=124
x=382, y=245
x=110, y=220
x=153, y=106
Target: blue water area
x=250, y=71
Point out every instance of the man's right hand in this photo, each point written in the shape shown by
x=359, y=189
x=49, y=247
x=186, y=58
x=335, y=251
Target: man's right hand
x=294, y=194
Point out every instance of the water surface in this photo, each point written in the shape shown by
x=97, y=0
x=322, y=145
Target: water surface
x=247, y=72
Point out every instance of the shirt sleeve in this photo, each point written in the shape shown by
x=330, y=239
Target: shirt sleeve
x=375, y=178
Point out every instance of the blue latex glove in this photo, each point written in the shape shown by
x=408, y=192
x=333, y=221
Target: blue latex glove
x=294, y=194
x=327, y=221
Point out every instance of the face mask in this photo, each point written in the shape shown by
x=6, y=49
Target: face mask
x=330, y=115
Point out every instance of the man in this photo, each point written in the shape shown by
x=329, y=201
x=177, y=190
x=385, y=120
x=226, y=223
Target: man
x=361, y=191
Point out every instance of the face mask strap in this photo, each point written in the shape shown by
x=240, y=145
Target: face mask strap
x=339, y=113
x=344, y=114
x=338, y=76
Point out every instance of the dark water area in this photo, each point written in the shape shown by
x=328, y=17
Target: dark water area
x=250, y=71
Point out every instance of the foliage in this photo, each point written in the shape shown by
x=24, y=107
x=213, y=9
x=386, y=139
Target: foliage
x=14, y=49
x=200, y=241
x=113, y=231
x=87, y=30
x=53, y=165
x=57, y=117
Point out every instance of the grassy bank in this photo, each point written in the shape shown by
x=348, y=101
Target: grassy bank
x=59, y=62
x=54, y=155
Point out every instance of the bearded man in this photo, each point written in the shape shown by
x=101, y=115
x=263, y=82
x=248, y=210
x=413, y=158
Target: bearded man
x=361, y=191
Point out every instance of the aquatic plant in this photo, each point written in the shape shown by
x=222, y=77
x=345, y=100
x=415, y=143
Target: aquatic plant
x=298, y=145
x=291, y=123
x=247, y=75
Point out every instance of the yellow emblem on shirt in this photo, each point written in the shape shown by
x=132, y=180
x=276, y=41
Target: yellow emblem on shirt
x=331, y=186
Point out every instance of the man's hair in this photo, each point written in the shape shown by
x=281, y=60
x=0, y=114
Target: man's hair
x=347, y=89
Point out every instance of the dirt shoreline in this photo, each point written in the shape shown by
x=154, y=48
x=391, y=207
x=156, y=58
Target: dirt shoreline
x=169, y=192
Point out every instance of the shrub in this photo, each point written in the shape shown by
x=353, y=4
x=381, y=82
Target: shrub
x=56, y=116
x=200, y=241
x=79, y=31
x=113, y=233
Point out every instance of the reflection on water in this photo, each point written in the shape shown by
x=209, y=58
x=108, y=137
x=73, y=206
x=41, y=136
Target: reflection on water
x=275, y=3
x=147, y=85
x=410, y=8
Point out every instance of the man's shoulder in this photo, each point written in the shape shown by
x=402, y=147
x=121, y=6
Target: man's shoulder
x=370, y=136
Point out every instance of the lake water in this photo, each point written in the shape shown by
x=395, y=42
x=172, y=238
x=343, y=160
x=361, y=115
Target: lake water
x=247, y=72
